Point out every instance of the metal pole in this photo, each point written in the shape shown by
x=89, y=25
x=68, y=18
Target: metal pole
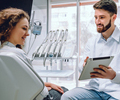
x=48, y=5
x=48, y=12
x=77, y=42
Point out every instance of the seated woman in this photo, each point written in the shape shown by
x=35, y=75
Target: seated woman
x=14, y=26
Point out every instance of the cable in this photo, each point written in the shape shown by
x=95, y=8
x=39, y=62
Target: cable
x=29, y=41
x=31, y=26
x=44, y=41
x=32, y=44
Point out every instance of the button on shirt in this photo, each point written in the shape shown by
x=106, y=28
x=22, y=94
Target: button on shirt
x=99, y=47
x=9, y=47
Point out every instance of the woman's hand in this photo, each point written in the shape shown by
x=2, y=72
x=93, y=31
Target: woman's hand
x=53, y=86
x=103, y=72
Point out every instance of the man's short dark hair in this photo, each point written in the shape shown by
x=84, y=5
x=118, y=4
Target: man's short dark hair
x=108, y=5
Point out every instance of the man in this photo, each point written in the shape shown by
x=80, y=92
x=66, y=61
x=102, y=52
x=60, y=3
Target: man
x=104, y=85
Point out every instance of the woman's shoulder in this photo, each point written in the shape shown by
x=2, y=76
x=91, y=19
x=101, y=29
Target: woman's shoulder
x=15, y=50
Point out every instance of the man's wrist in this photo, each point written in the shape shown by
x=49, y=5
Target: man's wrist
x=114, y=75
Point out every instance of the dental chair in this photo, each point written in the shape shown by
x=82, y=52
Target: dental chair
x=18, y=81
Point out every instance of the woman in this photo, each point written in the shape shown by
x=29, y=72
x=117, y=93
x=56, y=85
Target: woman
x=14, y=26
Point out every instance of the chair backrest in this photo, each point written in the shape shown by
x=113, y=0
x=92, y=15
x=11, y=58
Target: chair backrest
x=18, y=81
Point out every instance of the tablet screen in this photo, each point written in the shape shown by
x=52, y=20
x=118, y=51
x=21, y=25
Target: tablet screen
x=94, y=63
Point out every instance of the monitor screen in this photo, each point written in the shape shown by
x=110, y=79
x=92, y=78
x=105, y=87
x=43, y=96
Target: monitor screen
x=26, y=5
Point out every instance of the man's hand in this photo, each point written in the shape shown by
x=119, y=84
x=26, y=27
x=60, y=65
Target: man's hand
x=85, y=61
x=103, y=72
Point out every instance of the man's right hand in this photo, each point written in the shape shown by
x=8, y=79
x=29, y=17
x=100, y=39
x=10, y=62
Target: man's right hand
x=85, y=61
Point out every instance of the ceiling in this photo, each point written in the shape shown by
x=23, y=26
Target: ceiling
x=67, y=1
x=43, y=3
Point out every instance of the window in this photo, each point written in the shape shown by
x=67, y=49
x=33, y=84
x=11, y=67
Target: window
x=67, y=20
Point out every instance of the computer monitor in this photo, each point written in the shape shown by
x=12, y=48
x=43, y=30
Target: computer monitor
x=26, y=5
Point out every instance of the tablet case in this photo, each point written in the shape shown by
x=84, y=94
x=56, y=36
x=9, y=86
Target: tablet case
x=94, y=63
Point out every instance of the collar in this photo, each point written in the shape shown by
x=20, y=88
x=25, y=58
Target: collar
x=8, y=44
x=115, y=35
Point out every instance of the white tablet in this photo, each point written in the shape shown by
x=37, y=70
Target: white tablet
x=94, y=63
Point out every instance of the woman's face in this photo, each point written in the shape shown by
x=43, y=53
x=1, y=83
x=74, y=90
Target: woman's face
x=19, y=32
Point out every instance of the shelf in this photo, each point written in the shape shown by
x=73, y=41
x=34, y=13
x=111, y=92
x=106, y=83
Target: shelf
x=54, y=73
x=42, y=58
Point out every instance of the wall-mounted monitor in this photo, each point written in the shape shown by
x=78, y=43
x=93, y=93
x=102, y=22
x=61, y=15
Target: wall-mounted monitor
x=22, y=4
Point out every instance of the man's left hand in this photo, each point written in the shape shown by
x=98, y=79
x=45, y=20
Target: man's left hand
x=103, y=72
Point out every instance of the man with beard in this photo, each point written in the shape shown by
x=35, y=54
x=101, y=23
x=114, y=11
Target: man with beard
x=105, y=84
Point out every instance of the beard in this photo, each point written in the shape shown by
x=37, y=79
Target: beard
x=104, y=28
